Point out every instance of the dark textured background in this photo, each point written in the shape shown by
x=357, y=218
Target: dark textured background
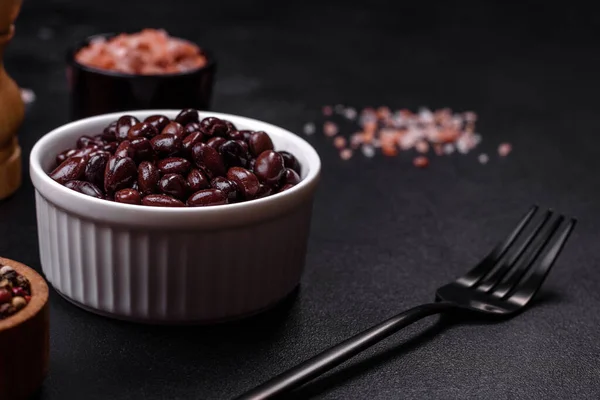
x=384, y=235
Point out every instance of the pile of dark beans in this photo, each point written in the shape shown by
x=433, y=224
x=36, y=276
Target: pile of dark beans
x=176, y=163
x=15, y=291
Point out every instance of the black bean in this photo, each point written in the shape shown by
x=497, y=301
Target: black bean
x=235, y=135
x=128, y=196
x=86, y=151
x=286, y=187
x=70, y=170
x=247, y=134
x=213, y=126
x=216, y=142
x=125, y=150
x=142, y=150
x=111, y=147
x=197, y=180
x=99, y=140
x=233, y=154
x=174, y=128
x=142, y=129
x=192, y=127
x=120, y=173
x=148, y=177
x=269, y=167
x=291, y=162
x=174, y=185
x=191, y=140
x=166, y=145
x=61, y=157
x=208, y=159
x=86, y=188
x=264, y=191
x=94, y=170
x=187, y=116
x=230, y=126
x=98, y=151
x=157, y=121
x=85, y=141
x=246, y=182
x=227, y=187
x=109, y=133
x=259, y=142
x=123, y=125
x=207, y=197
x=290, y=177
x=173, y=165
x=245, y=147
x=161, y=200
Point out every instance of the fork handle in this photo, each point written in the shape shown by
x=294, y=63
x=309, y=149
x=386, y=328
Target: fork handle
x=334, y=356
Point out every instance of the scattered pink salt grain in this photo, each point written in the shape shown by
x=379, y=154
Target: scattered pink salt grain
x=396, y=131
x=470, y=116
x=356, y=139
x=339, y=142
x=504, y=149
x=330, y=128
x=346, y=154
x=448, y=148
x=368, y=151
x=421, y=162
x=27, y=95
x=350, y=113
x=309, y=128
x=422, y=146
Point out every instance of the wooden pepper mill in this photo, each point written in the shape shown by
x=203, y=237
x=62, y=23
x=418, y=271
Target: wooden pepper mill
x=12, y=109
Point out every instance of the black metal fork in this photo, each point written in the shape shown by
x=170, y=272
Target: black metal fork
x=501, y=285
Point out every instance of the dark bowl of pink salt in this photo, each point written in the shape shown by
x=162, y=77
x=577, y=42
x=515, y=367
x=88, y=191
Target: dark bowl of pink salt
x=148, y=69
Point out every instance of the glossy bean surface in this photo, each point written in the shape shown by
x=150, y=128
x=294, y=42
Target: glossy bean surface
x=161, y=200
x=208, y=159
x=148, y=177
x=269, y=167
x=197, y=180
x=128, y=196
x=246, y=182
x=173, y=165
x=123, y=125
x=259, y=142
x=70, y=170
x=174, y=185
x=86, y=188
x=207, y=197
x=120, y=173
x=157, y=121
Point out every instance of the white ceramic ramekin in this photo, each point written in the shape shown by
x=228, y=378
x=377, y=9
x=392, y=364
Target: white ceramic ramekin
x=172, y=265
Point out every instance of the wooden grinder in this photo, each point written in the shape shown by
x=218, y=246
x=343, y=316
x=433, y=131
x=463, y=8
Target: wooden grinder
x=12, y=109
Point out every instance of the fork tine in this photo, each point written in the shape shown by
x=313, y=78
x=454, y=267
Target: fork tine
x=521, y=269
x=529, y=287
x=507, y=265
x=488, y=263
